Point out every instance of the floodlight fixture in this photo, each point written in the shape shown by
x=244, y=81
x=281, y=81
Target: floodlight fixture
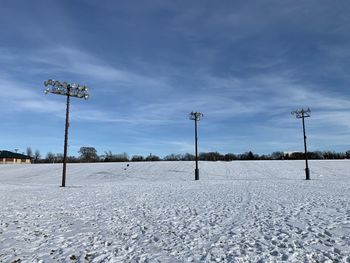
x=196, y=116
x=68, y=90
x=302, y=114
x=72, y=90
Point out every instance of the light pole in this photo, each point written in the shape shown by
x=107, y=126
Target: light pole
x=196, y=116
x=69, y=90
x=302, y=114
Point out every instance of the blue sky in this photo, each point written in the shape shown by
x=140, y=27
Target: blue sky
x=245, y=64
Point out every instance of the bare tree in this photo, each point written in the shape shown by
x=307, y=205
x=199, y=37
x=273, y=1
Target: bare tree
x=50, y=157
x=37, y=155
x=29, y=151
x=152, y=158
x=348, y=154
x=137, y=158
x=88, y=154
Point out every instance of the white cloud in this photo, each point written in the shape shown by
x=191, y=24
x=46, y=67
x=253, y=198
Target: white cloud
x=16, y=96
x=74, y=61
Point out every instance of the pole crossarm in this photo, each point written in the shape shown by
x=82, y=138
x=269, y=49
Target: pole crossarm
x=64, y=88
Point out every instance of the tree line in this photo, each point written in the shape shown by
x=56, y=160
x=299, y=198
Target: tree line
x=89, y=155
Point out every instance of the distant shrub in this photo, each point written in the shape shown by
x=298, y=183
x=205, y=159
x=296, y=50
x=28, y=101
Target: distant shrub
x=137, y=158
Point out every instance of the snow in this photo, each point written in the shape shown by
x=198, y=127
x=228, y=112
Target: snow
x=257, y=211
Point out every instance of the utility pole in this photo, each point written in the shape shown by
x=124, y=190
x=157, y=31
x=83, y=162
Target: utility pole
x=196, y=116
x=302, y=114
x=68, y=90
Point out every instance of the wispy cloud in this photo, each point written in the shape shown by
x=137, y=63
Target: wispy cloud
x=16, y=96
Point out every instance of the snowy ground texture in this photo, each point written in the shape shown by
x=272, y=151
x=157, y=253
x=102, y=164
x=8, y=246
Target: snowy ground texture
x=260, y=211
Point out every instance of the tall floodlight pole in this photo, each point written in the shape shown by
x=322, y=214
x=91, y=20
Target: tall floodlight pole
x=302, y=114
x=196, y=116
x=68, y=90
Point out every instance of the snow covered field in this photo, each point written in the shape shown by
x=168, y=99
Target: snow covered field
x=259, y=211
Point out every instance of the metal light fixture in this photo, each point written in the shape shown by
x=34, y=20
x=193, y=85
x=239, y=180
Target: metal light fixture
x=196, y=116
x=302, y=114
x=69, y=90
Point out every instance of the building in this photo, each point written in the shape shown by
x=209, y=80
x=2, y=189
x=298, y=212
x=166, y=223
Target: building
x=7, y=157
